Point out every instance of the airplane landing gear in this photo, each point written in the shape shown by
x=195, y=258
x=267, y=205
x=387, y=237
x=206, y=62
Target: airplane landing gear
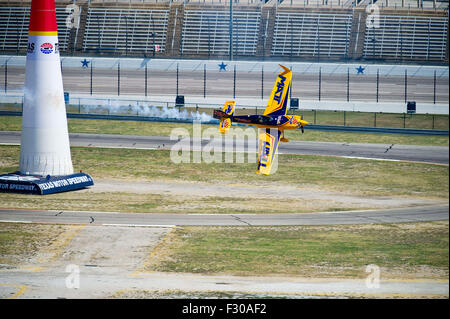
x=284, y=139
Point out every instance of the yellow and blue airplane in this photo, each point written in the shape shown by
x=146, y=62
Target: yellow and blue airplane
x=272, y=123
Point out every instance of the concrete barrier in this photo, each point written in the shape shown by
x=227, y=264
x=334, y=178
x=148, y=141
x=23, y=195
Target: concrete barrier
x=298, y=68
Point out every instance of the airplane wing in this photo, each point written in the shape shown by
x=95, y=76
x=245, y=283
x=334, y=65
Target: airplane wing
x=268, y=146
x=278, y=101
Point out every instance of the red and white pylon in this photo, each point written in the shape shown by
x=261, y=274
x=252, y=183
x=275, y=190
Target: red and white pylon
x=45, y=148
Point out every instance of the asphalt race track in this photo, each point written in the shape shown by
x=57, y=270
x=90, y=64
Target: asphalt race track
x=411, y=214
x=413, y=153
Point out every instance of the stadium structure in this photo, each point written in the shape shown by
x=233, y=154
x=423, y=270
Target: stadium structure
x=314, y=30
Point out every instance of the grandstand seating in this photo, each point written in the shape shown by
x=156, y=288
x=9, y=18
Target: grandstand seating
x=311, y=34
x=332, y=29
x=14, y=30
x=207, y=31
x=317, y=3
x=407, y=37
x=125, y=30
x=413, y=4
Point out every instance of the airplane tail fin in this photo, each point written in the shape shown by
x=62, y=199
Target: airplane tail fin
x=225, y=116
x=279, y=98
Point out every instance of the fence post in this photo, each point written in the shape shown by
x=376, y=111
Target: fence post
x=177, y=78
x=204, y=80
x=320, y=81
x=234, y=82
x=262, y=82
x=348, y=85
x=378, y=82
x=375, y=119
x=92, y=67
x=292, y=84
x=434, y=88
x=6, y=76
x=145, y=79
x=406, y=85
x=118, y=78
x=314, y=116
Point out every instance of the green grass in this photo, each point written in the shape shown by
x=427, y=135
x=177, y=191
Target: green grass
x=334, y=173
x=330, y=174
x=13, y=123
x=411, y=250
x=391, y=120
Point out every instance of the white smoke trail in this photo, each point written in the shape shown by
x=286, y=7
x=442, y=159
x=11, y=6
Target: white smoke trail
x=164, y=112
x=117, y=107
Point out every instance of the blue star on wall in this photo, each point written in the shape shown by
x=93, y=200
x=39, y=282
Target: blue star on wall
x=360, y=70
x=85, y=63
x=222, y=66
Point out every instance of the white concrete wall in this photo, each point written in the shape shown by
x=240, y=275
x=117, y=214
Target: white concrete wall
x=245, y=66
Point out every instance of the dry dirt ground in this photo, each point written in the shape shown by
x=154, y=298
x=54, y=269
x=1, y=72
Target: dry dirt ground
x=109, y=261
x=101, y=255
x=315, y=198
x=86, y=261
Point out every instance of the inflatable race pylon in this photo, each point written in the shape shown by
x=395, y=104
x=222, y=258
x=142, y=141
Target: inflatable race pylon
x=45, y=150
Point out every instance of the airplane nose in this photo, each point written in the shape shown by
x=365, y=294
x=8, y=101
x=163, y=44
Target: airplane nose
x=302, y=122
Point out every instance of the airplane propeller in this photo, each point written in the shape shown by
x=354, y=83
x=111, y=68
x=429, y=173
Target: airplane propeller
x=302, y=124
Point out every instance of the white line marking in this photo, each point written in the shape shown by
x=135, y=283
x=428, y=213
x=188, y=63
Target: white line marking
x=15, y=221
x=374, y=159
x=139, y=225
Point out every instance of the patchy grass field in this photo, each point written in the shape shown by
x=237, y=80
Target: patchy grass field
x=20, y=242
x=359, y=178
x=13, y=123
x=180, y=294
x=369, y=119
x=402, y=251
